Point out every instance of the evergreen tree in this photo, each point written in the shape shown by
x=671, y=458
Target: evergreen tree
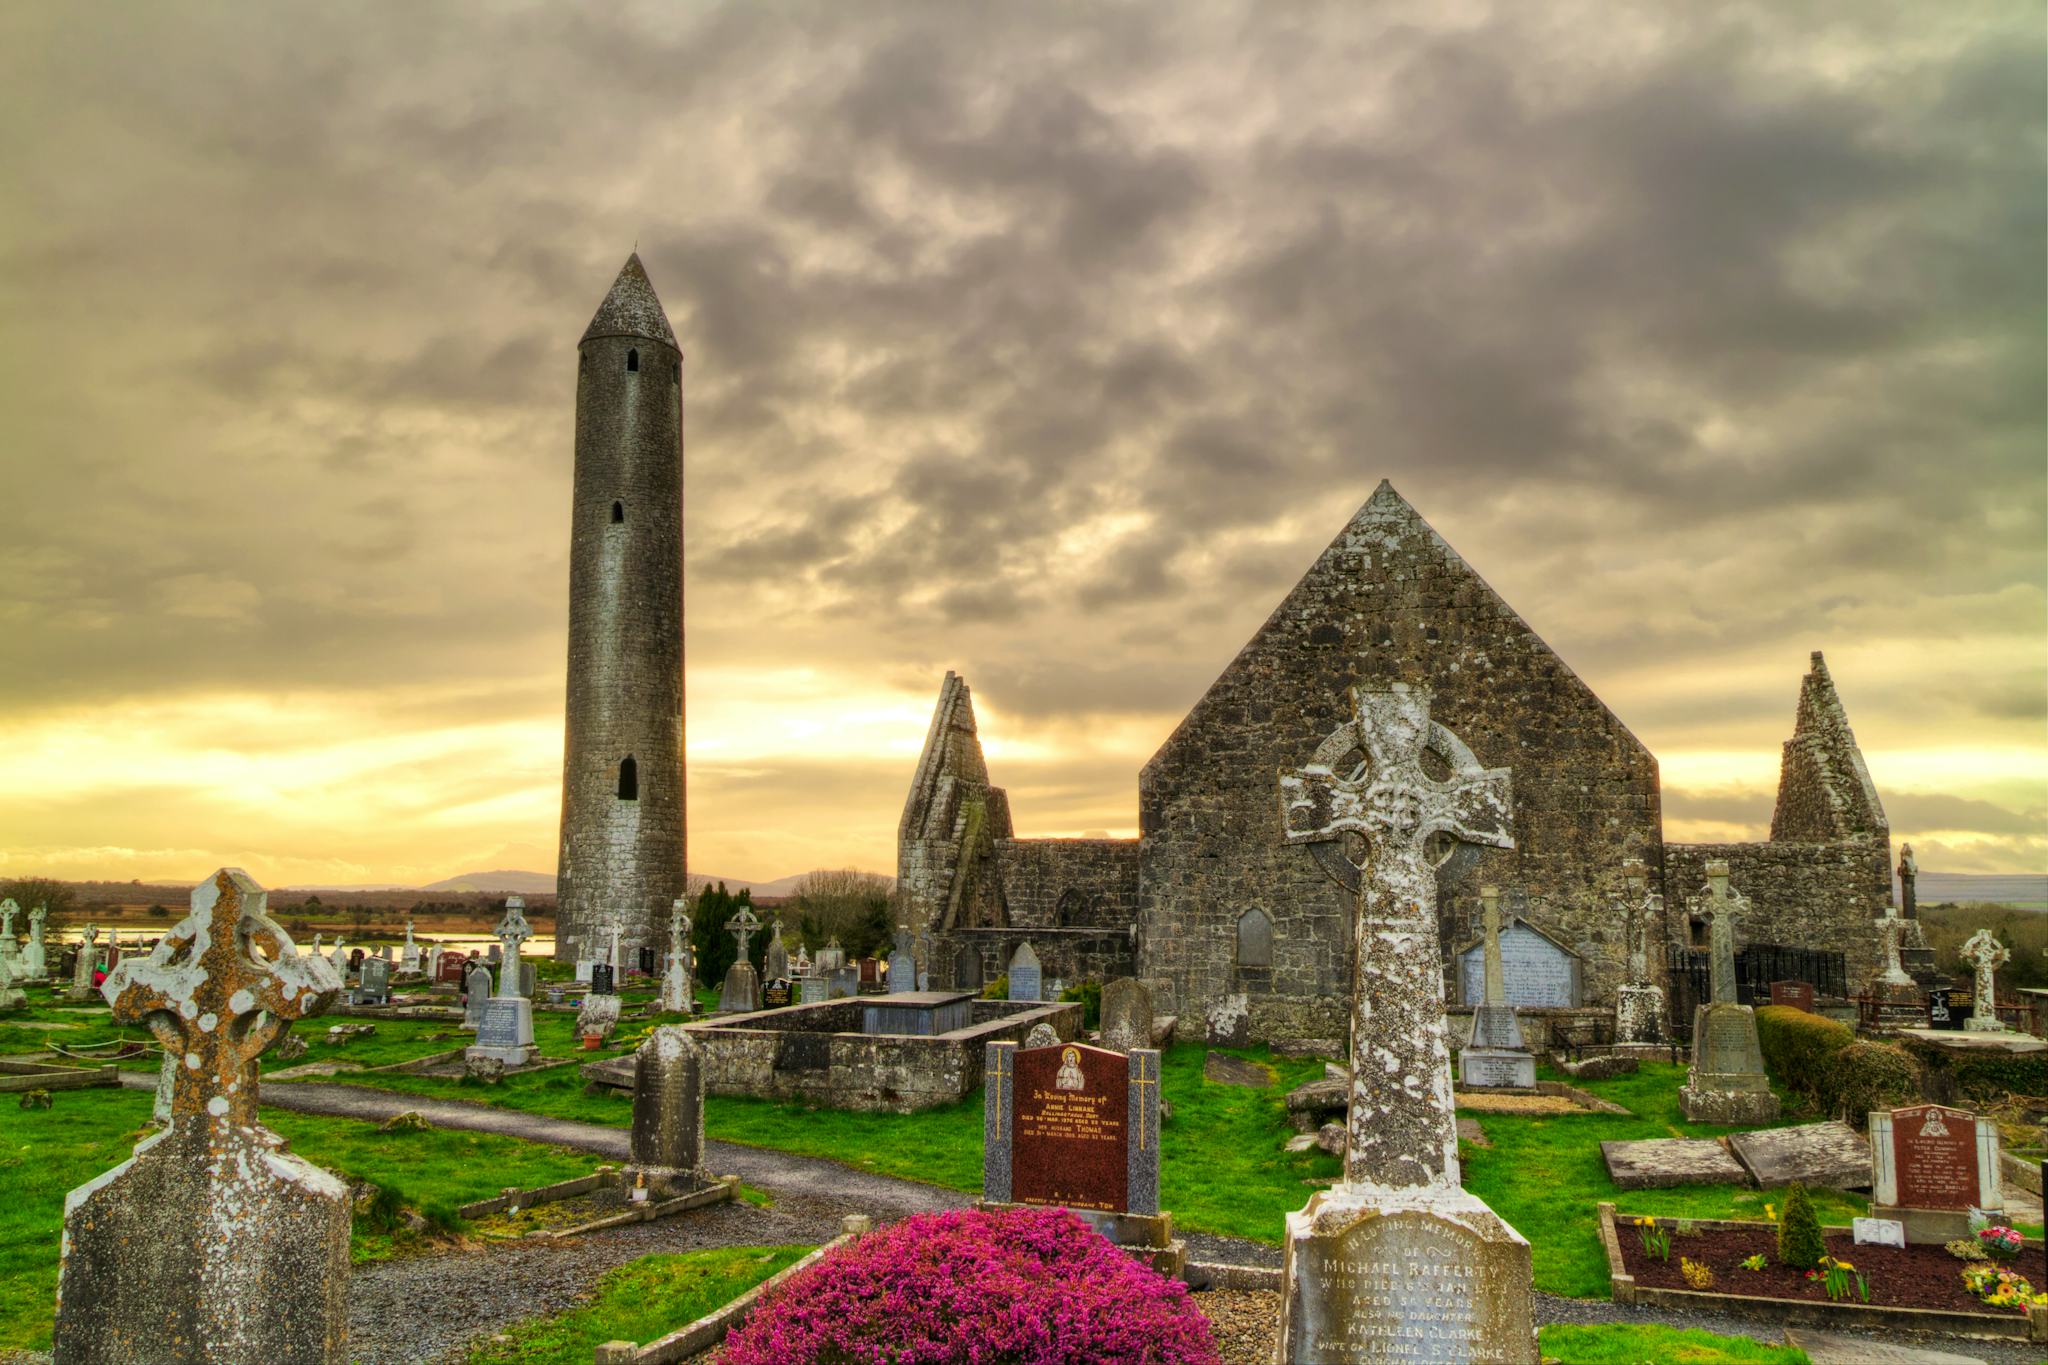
x=1799, y=1240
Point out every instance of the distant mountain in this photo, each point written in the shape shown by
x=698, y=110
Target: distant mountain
x=505, y=883
x=1970, y=888
x=781, y=886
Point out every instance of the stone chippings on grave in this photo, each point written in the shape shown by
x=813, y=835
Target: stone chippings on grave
x=1930, y=1165
x=1726, y=1082
x=212, y=1243
x=1026, y=979
x=1494, y=1057
x=1397, y=1261
x=668, y=1115
x=1126, y=1015
x=1985, y=955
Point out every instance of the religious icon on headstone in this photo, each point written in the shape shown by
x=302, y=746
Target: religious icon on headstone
x=1069, y=1077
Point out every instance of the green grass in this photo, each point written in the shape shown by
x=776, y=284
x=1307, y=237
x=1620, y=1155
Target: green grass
x=639, y=1301
x=1635, y=1344
x=45, y=1153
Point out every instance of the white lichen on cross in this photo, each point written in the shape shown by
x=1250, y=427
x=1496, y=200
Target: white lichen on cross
x=214, y=1003
x=1402, y=1130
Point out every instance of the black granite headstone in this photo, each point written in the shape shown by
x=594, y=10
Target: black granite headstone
x=602, y=981
x=776, y=994
x=1944, y=1012
x=647, y=962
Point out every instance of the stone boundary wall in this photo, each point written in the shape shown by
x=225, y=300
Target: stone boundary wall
x=1069, y=883
x=1817, y=895
x=1069, y=954
x=784, y=1057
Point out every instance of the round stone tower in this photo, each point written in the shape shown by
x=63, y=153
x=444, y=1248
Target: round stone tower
x=622, y=769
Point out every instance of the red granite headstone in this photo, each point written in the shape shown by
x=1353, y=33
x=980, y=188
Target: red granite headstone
x=1797, y=994
x=452, y=965
x=1070, y=1144
x=1934, y=1149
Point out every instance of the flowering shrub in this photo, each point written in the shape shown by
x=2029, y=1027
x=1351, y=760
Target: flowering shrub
x=1698, y=1274
x=967, y=1287
x=1963, y=1249
x=1834, y=1277
x=1999, y=1243
x=1656, y=1241
x=2001, y=1288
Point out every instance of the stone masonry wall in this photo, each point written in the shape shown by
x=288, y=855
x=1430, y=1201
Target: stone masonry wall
x=625, y=690
x=1809, y=895
x=1387, y=599
x=968, y=959
x=1069, y=883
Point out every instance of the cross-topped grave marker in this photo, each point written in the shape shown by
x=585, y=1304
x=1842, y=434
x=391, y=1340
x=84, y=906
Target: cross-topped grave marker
x=742, y=991
x=1726, y=1083
x=10, y=951
x=676, y=984
x=165, y=1256
x=1639, y=1003
x=1494, y=1056
x=1368, y=1261
x=504, y=1020
x=35, y=955
x=1986, y=954
x=511, y=933
x=83, y=966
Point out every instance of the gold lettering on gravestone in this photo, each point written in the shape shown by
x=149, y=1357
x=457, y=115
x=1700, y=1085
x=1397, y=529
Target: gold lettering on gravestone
x=1067, y=1115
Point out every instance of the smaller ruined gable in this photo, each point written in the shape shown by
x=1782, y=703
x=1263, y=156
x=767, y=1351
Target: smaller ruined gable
x=1825, y=794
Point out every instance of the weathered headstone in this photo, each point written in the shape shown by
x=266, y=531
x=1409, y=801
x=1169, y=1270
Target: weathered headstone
x=1042, y=1035
x=1026, y=982
x=1494, y=1056
x=477, y=991
x=84, y=965
x=338, y=959
x=1829, y=1155
x=375, y=986
x=668, y=1115
x=1986, y=955
x=1537, y=972
x=1929, y=1166
x=35, y=960
x=1639, y=1003
x=1909, y=872
x=504, y=1031
x=1655, y=1163
x=212, y=1243
x=775, y=960
x=411, y=958
x=10, y=950
x=842, y=982
x=677, y=985
x=903, y=964
x=1726, y=1083
x=1398, y=1261
x=12, y=997
x=1894, y=987
x=1126, y=1015
x=831, y=957
x=598, y=1014
x=742, y=991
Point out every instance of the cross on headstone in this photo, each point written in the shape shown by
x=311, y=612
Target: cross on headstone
x=1720, y=907
x=1402, y=1129
x=742, y=927
x=1496, y=984
x=511, y=933
x=1635, y=878
x=1986, y=954
x=214, y=1004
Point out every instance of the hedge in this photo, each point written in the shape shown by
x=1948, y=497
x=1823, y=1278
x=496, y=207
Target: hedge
x=1799, y=1049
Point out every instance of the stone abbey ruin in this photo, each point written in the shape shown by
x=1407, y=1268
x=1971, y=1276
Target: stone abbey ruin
x=1237, y=924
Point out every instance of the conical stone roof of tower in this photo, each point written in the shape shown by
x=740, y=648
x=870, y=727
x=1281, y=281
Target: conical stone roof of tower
x=631, y=309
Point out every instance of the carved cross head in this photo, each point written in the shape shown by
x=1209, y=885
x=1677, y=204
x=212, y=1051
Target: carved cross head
x=35, y=921
x=92, y=934
x=216, y=991
x=1398, y=785
x=8, y=910
x=678, y=919
x=1985, y=952
x=513, y=929
x=743, y=926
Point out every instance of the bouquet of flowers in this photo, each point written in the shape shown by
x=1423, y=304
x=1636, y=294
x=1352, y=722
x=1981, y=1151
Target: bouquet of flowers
x=2001, y=1288
x=2000, y=1243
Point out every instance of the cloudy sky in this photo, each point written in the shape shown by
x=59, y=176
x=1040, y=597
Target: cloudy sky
x=1048, y=343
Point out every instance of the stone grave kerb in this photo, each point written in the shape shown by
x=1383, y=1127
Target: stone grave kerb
x=512, y=932
x=214, y=1003
x=1403, y=1133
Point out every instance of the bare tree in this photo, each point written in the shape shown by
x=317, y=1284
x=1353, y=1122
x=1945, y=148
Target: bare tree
x=845, y=903
x=60, y=898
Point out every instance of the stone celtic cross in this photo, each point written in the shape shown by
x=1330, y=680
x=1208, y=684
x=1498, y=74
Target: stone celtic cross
x=35, y=923
x=8, y=910
x=1639, y=914
x=1987, y=955
x=742, y=927
x=511, y=933
x=678, y=930
x=92, y=934
x=1720, y=907
x=215, y=1002
x=1402, y=1129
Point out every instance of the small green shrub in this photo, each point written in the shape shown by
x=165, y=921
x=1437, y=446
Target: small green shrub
x=1089, y=993
x=998, y=989
x=1799, y=1049
x=1799, y=1240
x=1868, y=1076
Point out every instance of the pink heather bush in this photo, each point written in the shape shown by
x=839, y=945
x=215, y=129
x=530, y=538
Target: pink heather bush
x=1020, y=1287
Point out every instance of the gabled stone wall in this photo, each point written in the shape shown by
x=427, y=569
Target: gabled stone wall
x=1069, y=883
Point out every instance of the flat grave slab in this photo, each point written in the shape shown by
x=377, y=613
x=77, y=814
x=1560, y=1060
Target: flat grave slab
x=1832, y=1155
x=1220, y=1068
x=1659, y=1162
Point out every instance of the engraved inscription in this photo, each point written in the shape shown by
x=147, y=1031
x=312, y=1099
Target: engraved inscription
x=1070, y=1126
x=1935, y=1149
x=1406, y=1288
x=1535, y=973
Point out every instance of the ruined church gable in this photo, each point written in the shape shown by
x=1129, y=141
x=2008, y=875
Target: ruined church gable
x=1824, y=790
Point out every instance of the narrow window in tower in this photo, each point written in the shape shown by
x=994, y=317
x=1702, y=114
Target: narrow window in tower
x=582, y=361
x=629, y=780
x=675, y=373
x=618, y=513
x=633, y=360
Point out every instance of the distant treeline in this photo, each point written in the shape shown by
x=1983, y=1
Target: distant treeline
x=2024, y=933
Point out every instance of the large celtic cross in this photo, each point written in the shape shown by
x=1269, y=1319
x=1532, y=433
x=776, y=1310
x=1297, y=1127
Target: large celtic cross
x=1413, y=800
x=742, y=927
x=1720, y=907
x=511, y=933
x=1987, y=955
x=215, y=1003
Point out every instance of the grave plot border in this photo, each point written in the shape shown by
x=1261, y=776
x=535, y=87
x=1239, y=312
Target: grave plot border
x=2033, y=1326
x=721, y=1190
x=16, y=1075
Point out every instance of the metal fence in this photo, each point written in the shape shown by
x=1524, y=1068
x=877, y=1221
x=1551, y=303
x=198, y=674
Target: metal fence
x=1756, y=967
